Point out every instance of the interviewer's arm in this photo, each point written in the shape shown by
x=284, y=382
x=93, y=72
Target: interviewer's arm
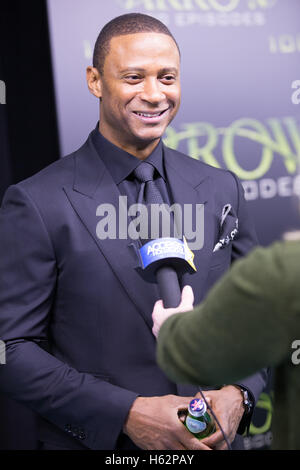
x=247, y=321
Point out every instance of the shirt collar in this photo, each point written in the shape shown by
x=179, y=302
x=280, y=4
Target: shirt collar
x=120, y=163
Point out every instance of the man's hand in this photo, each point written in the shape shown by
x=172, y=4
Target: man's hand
x=227, y=404
x=153, y=424
x=160, y=314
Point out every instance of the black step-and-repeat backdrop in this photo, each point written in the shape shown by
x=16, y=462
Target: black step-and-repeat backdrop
x=240, y=104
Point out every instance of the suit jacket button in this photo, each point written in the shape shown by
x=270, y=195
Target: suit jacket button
x=81, y=435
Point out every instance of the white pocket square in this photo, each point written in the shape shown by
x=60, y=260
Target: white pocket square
x=228, y=227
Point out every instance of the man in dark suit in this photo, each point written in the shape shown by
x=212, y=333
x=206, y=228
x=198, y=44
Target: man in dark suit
x=75, y=312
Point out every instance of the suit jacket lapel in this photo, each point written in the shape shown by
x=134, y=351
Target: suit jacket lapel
x=92, y=187
x=191, y=187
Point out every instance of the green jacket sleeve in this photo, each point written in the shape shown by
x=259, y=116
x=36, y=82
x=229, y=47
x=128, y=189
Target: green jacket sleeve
x=248, y=321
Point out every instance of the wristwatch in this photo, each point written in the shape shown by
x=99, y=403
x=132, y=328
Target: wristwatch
x=247, y=401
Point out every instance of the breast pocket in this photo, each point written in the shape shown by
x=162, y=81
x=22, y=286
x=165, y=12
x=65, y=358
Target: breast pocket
x=221, y=257
x=220, y=263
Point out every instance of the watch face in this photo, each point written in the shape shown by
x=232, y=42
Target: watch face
x=247, y=402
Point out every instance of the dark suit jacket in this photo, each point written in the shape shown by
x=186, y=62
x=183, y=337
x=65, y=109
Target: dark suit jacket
x=75, y=313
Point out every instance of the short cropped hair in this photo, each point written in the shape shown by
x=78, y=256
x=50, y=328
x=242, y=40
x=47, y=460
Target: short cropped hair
x=130, y=23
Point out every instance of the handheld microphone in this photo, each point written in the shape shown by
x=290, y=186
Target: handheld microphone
x=168, y=284
x=163, y=260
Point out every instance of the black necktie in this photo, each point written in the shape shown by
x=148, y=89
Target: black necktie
x=149, y=192
x=166, y=275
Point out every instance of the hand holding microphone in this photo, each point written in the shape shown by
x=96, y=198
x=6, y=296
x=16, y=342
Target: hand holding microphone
x=160, y=314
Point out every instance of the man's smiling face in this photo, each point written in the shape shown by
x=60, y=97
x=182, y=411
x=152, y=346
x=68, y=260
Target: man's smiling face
x=140, y=88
